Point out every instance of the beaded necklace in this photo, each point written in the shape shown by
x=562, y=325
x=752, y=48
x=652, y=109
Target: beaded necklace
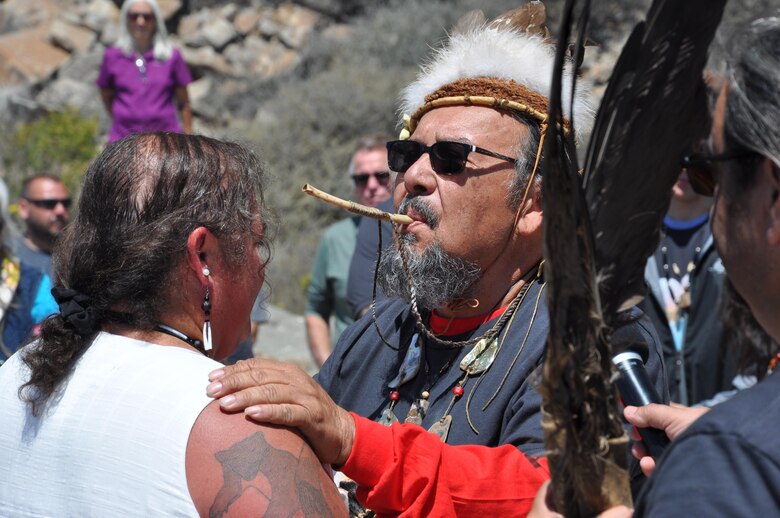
x=475, y=363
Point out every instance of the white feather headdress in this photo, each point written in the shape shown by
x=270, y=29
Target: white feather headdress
x=501, y=51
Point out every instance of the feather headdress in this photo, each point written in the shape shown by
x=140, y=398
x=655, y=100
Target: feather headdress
x=506, y=64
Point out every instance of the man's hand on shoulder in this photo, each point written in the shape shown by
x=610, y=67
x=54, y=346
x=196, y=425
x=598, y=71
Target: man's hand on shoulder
x=279, y=393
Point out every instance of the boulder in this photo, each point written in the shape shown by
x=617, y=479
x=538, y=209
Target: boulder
x=190, y=28
x=109, y=34
x=26, y=57
x=83, y=66
x=70, y=37
x=259, y=58
x=16, y=15
x=219, y=32
x=200, y=99
x=204, y=60
x=98, y=13
x=246, y=21
x=228, y=11
x=169, y=8
x=296, y=23
x=69, y=92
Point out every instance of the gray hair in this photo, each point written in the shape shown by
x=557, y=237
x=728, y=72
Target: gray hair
x=160, y=42
x=753, y=102
x=367, y=143
x=526, y=157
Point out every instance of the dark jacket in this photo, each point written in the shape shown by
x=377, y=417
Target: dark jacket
x=704, y=366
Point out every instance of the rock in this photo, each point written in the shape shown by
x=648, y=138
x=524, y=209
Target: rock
x=169, y=8
x=219, y=32
x=26, y=57
x=228, y=11
x=22, y=14
x=17, y=104
x=68, y=92
x=84, y=66
x=109, y=34
x=268, y=27
x=205, y=59
x=257, y=57
x=246, y=21
x=70, y=37
x=202, y=106
x=98, y=13
x=296, y=22
x=340, y=32
x=190, y=29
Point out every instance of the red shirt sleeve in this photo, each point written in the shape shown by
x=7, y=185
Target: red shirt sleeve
x=405, y=470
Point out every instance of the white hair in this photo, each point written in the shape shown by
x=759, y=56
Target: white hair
x=503, y=53
x=160, y=42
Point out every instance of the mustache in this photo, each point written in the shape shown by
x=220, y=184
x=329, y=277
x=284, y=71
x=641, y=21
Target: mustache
x=420, y=207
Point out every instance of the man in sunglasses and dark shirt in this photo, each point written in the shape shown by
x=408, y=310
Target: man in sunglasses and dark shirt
x=449, y=365
x=327, y=292
x=43, y=207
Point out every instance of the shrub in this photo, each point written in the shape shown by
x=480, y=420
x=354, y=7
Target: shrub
x=59, y=143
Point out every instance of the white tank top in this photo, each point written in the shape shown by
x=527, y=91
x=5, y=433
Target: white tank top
x=111, y=441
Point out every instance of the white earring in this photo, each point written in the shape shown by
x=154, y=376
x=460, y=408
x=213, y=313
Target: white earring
x=206, y=306
x=206, y=271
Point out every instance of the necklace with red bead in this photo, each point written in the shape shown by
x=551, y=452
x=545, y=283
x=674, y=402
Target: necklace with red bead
x=476, y=362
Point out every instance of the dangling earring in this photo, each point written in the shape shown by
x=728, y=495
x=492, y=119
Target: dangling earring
x=206, y=306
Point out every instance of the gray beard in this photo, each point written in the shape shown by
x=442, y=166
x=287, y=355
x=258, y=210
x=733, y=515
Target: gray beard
x=438, y=278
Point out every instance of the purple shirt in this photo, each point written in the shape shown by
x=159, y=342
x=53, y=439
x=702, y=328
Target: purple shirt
x=143, y=96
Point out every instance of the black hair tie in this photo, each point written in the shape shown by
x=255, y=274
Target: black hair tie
x=76, y=309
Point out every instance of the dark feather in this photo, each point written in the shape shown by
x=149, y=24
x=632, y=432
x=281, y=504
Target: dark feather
x=581, y=421
x=653, y=111
x=598, y=234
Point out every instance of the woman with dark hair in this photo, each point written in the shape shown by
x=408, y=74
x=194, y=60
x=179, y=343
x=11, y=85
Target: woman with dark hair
x=106, y=413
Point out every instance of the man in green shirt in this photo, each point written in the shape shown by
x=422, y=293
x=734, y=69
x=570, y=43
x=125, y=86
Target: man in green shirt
x=327, y=292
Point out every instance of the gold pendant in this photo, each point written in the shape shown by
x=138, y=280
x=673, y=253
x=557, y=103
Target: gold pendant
x=442, y=427
x=481, y=357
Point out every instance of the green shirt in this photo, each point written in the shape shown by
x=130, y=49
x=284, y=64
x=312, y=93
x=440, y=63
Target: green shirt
x=327, y=292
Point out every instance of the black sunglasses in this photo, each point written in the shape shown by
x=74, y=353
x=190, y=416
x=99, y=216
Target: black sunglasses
x=50, y=204
x=361, y=180
x=447, y=158
x=701, y=168
x=134, y=17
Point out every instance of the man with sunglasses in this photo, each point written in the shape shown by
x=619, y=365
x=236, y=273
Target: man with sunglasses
x=44, y=208
x=450, y=363
x=327, y=292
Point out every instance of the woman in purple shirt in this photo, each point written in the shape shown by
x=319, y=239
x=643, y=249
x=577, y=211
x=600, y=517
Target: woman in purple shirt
x=143, y=75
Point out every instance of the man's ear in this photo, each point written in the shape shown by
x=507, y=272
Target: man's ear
x=773, y=226
x=202, y=250
x=24, y=209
